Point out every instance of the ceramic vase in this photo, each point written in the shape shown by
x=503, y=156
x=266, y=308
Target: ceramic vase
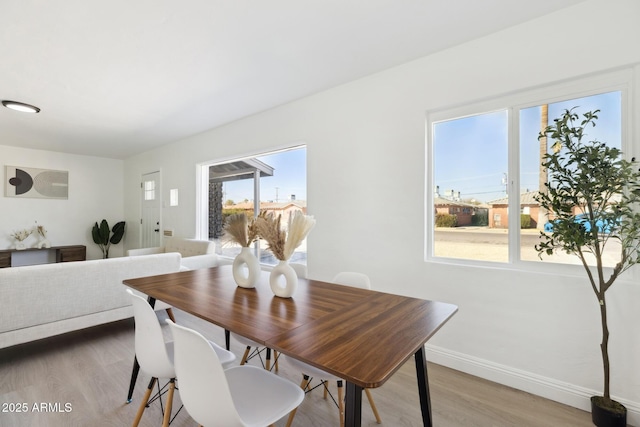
x=20, y=245
x=283, y=280
x=44, y=244
x=246, y=269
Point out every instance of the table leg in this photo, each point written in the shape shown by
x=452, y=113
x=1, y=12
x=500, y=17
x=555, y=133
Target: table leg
x=227, y=339
x=136, y=365
x=353, y=406
x=268, y=361
x=423, y=386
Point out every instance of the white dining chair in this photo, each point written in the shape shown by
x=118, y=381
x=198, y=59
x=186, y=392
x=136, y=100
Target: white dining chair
x=242, y=396
x=155, y=356
x=347, y=278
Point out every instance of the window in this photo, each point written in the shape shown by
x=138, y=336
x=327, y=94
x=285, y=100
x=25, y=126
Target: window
x=484, y=162
x=149, y=190
x=273, y=182
x=470, y=161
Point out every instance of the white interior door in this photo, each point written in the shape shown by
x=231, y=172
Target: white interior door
x=151, y=204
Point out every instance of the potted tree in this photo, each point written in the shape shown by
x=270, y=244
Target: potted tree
x=102, y=235
x=593, y=198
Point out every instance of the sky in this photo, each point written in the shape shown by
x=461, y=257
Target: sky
x=470, y=154
x=289, y=178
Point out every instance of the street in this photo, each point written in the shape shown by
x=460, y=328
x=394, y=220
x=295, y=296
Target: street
x=484, y=244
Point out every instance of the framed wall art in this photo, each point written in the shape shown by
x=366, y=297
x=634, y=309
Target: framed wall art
x=36, y=183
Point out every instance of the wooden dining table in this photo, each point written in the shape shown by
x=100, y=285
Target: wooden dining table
x=359, y=335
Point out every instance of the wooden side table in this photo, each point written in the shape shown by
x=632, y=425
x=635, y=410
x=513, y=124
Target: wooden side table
x=62, y=254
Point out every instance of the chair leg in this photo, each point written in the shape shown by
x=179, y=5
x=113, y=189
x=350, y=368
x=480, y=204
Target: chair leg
x=246, y=354
x=326, y=389
x=144, y=402
x=303, y=386
x=373, y=406
x=341, y=403
x=170, y=314
x=167, y=410
x=275, y=356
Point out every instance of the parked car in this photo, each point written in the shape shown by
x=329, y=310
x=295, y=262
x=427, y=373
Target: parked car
x=583, y=219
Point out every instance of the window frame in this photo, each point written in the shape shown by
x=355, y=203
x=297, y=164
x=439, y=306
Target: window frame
x=617, y=80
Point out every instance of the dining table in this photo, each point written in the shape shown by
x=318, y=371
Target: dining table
x=362, y=336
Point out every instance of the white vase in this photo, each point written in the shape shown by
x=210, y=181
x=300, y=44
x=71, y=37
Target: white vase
x=283, y=280
x=246, y=269
x=44, y=243
x=20, y=245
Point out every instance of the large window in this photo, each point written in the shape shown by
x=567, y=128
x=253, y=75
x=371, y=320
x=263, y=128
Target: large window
x=484, y=170
x=273, y=182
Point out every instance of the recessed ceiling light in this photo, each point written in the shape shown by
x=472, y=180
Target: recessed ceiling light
x=20, y=106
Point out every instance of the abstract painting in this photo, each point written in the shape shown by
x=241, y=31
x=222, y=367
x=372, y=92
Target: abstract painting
x=36, y=183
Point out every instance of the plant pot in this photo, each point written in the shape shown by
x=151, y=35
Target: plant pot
x=283, y=280
x=246, y=269
x=20, y=245
x=607, y=414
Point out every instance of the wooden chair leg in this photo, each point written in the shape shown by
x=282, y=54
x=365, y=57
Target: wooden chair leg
x=275, y=356
x=341, y=403
x=169, y=405
x=170, y=314
x=373, y=406
x=326, y=388
x=246, y=354
x=144, y=402
x=303, y=386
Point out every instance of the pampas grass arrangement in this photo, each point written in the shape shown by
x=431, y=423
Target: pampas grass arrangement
x=269, y=230
x=280, y=242
x=299, y=226
x=240, y=229
x=20, y=235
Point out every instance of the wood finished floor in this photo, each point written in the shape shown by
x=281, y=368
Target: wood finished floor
x=90, y=370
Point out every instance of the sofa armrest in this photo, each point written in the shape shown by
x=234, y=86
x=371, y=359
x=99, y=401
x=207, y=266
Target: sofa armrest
x=223, y=260
x=189, y=247
x=200, y=261
x=145, y=251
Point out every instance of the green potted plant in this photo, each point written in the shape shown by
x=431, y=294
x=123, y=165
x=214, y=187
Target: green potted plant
x=102, y=235
x=592, y=196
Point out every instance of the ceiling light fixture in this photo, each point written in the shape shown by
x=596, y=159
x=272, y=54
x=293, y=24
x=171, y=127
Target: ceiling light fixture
x=20, y=106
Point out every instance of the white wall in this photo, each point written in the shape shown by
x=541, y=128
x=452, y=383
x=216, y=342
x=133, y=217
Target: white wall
x=95, y=192
x=366, y=171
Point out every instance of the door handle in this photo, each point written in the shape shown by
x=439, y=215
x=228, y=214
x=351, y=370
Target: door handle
x=157, y=230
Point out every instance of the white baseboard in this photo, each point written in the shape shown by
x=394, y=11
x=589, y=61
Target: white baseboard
x=549, y=388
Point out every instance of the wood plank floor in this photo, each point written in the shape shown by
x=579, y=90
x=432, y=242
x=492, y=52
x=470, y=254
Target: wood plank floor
x=82, y=379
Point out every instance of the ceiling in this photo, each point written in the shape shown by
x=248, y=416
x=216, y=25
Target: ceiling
x=115, y=78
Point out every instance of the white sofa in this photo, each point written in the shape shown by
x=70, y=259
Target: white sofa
x=195, y=254
x=40, y=301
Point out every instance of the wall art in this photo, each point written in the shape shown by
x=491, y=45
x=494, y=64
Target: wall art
x=36, y=183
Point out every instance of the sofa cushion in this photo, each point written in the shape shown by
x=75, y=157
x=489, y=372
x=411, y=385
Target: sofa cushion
x=39, y=294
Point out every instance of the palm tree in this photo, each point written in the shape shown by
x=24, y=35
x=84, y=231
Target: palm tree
x=543, y=176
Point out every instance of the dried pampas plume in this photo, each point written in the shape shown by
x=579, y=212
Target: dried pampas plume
x=269, y=230
x=299, y=226
x=280, y=242
x=240, y=229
